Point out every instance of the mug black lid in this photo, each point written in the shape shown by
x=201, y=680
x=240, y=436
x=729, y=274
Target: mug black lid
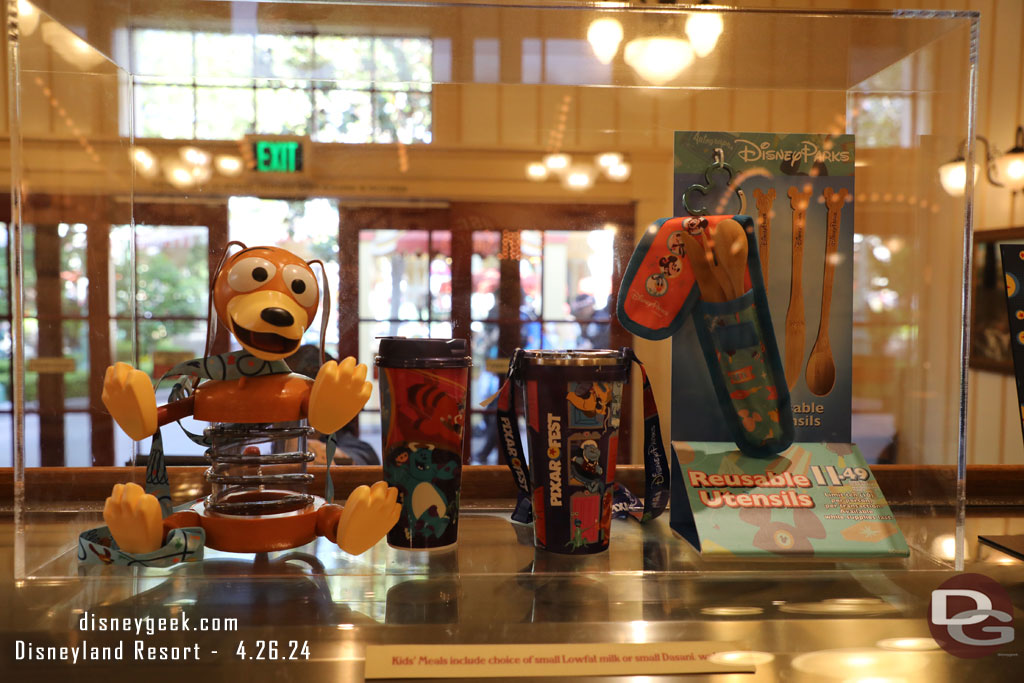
x=406, y=352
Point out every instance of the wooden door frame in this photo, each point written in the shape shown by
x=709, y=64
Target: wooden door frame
x=462, y=219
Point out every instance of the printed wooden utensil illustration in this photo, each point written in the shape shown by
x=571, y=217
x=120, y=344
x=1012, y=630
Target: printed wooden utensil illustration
x=731, y=253
x=795, y=327
x=764, y=202
x=702, y=262
x=821, y=367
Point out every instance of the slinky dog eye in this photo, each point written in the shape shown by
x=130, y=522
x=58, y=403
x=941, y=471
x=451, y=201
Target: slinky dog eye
x=251, y=273
x=302, y=284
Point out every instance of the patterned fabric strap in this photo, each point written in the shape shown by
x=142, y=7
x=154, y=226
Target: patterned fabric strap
x=656, y=472
x=97, y=546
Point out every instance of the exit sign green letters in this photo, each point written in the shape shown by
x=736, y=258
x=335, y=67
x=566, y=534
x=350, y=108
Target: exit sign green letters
x=277, y=156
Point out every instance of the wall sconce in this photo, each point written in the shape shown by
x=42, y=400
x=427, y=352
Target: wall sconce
x=579, y=175
x=1010, y=166
x=953, y=174
x=28, y=17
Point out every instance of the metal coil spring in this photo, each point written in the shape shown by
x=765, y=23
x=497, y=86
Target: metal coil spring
x=239, y=485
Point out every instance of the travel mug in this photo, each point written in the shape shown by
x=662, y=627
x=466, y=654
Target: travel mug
x=572, y=402
x=423, y=393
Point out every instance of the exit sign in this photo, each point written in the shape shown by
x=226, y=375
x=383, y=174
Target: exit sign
x=278, y=156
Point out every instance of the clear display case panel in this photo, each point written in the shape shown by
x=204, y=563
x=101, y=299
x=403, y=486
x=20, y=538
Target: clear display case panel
x=134, y=130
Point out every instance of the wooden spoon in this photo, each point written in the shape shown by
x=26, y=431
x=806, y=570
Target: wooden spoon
x=701, y=262
x=795, y=328
x=821, y=367
x=731, y=252
x=764, y=202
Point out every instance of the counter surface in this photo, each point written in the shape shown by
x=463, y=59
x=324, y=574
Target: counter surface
x=818, y=620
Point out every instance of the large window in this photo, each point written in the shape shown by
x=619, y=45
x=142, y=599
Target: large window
x=220, y=86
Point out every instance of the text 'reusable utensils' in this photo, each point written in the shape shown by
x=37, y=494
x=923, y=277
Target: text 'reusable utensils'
x=795, y=327
x=764, y=201
x=821, y=367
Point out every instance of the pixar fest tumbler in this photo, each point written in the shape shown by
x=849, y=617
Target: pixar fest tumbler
x=573, y=401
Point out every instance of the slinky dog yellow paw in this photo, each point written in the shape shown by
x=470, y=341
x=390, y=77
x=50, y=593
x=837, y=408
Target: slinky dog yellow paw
x=369, y=514
x=134, y=519
x=339, y=392
x=128, y=395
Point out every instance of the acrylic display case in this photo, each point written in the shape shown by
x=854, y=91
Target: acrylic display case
x=443, y=109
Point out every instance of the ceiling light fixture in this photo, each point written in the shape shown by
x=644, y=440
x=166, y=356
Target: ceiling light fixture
x=604, y=36
x=703, y=30
x=658, y=60
x=579, y=175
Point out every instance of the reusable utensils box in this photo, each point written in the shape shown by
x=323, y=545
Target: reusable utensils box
x=817, y=500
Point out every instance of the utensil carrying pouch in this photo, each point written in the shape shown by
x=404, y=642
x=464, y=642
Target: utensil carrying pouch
x=736, y=335
x=742, y=355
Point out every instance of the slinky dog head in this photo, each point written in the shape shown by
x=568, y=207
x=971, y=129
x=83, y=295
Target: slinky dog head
x=267, y=298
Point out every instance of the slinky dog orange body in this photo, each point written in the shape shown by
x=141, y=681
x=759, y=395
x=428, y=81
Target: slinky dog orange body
x=267, y=298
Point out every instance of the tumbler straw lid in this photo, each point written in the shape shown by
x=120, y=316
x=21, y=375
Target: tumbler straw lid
x=575, y=357
x=406, y=352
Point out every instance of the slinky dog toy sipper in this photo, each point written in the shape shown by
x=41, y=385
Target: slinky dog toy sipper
x=267, y=298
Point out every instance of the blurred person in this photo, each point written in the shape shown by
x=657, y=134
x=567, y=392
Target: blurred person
x=595, y=331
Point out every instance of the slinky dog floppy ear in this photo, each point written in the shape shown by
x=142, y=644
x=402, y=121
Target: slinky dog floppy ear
x=326, y=304
x=211, y=312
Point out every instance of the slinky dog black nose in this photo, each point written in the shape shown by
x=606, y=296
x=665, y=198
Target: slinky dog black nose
x=277, y=316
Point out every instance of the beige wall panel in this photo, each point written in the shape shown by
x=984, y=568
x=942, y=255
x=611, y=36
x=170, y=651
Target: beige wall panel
x=1013, y=442
x=597, y=119
x=753, y=111
x=789, y=112
x=826, y=112
x=88, y=100
x=1000, y=112
x=1017, y=215
x=637, y=118
x=984, y=198
x=674, y=111
x=447, y=114
x=520, y=106
x=37, y=113
x=480, y=122
x=988, y=401
x=714, y=110
x=556, y=131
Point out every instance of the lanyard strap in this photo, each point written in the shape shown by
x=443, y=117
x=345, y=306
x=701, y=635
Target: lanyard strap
x=656, y=486
x=509, y=442
x=656, y=477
